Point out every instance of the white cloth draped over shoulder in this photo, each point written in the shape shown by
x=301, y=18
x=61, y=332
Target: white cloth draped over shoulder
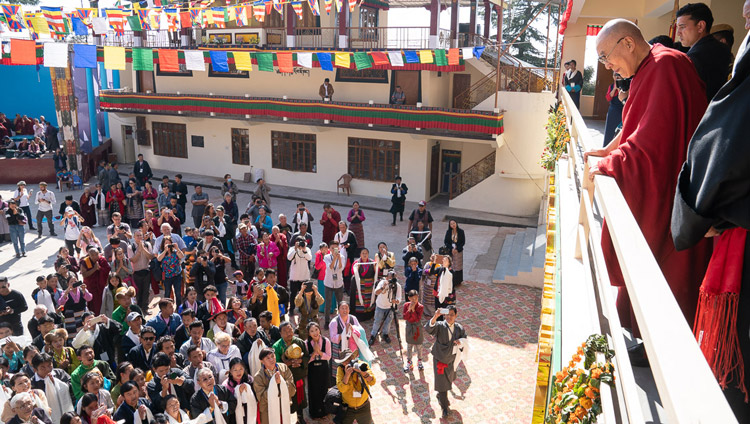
x=364, y=350
x=445, y=284
x=245, y=398
x=461, y=350
x=58, y=398
x=253, y=357
x=357, y=278
x=276, y=413
x=185, y=418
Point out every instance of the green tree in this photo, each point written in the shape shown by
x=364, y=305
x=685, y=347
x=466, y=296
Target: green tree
x=589, y=85
x=529, y=46
x=26, y=2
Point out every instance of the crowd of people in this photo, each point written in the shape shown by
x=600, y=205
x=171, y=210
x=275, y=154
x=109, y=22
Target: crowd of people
x=679, y=164
x=244, y=301
x=42, y=135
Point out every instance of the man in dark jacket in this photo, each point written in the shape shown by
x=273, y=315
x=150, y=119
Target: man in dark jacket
x=711, y=58
x=142, y=355
x=212, y=395
x=12, y=304
x=167, y=381
x=142, y=171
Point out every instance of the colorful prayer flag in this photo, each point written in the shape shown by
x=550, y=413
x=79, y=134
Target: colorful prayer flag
x=467, y=52
x=265, y=61
x=352, y=5
x=259, y=12
x=278, y=5
x=411, y=56
x=425, y=56
x=325, y=61
x=100, y=25
x=338, y=5
x=328, y=4
x=195, y=17
x=286, y=62
x=219, y=16
x=22, y=52
x=116, y=18
x=143, y=17
x=241, y=12
x=114, y=58
x=84, y=56
x=362, y=60
x=87, y=15
x=79, y=28
x=379, y=58
x=56, y=55
x=185, y=21
x=37, y=23
x=219, y=61
x=314, y=7
x=242, y=61
x=297, y=6
x=12, y=13
x=343, y=60
x=55, y=20
x=168, y=61
x=172, y=17
x=195, y=60
x=478, y=51
x=440, y=59
x=453, y=57
x=143, y=59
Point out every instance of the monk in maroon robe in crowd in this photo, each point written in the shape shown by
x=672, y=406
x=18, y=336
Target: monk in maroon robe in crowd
x=665, y=104
x=95, y=271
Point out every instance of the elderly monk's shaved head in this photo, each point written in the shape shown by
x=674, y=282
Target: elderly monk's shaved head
x=621, y=47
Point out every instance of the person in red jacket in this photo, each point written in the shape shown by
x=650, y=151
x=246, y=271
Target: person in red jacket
x=414, y=333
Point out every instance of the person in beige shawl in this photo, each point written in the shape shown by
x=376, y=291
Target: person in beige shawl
x=273, y=374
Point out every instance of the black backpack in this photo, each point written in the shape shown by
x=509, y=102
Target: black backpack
x=333, y=402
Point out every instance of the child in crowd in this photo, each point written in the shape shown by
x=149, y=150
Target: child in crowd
x=414, y=333
x=260, y=278
x=189, y=238
x=54, y=288
x=413, y=274
x=240, y=285
x=42, y=296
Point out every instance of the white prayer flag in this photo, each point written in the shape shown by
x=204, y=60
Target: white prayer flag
x=56, y=55
x=305, y=60
x=101, y=25
x=194, y=60
x=396, y=58
x=467, y=52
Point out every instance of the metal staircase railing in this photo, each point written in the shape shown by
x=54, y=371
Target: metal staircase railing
x=472, y=176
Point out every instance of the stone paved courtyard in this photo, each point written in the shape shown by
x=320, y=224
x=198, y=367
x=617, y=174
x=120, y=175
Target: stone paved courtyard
x=495, y=384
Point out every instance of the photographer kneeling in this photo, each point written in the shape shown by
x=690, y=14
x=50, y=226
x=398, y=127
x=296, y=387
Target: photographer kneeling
x=353, y=379
x=389, y=295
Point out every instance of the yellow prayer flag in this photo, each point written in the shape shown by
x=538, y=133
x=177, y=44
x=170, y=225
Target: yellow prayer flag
x=242, y=61
x=39, y=23
x=114, y=58
x=425, y=56
x=343, y=60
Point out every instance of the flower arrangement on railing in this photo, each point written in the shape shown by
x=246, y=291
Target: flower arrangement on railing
x=557, y=137
x=575, y=396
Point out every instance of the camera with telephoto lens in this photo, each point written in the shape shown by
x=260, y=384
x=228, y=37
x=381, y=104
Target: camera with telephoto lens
x=623, y=84
x=308, y=286
x=302, y=243
x=360, y=365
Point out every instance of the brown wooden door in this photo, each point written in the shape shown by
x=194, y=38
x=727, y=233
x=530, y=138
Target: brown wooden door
x=461, y=85
x=434, y=169
x=410, y=83
x=146, y=81
x=603, y=79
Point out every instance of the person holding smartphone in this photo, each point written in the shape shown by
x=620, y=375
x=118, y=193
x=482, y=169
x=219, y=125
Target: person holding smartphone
x=166, y=381
x=450, y=342
x=444, y=291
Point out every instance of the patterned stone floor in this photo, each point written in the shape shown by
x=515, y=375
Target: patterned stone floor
x=496, y=383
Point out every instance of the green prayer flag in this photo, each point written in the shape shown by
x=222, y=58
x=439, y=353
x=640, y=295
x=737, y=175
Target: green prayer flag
x=440, y=59
x=265, y=61
x=143, y=60
x=362, y=60
x=135, y=23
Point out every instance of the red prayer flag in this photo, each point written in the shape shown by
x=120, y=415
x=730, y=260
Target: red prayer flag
x=379, y=58
x=286, y=64
x=22, y=52
x=168, y=60
x=185, y=21
x=452, y=57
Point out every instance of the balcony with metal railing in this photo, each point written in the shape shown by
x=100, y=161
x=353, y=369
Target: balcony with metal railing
x=679, y=386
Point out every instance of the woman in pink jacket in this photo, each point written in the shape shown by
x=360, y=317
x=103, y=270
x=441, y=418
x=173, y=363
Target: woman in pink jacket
x=267, y=253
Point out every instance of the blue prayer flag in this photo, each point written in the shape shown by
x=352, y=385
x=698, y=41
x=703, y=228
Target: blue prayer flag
x=478, y=51
x=411, y=56
x=219, y=61
x=84, y=56
x=79, y=28
x=325, y=61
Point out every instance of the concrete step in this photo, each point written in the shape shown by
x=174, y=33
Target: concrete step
x=534, y=278
x=522, y=258
x=540, y=246
x=502, y=262
x=516, y=251
x=527, y=252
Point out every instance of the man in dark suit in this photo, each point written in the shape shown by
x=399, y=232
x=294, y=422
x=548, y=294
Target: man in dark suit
x=211, y=395
x=142, y=355
x=142, y=171
x=133, y=405
x=168, y=380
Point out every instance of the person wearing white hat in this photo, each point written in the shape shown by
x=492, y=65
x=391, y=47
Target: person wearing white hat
x=71, y=224
x=21, y=195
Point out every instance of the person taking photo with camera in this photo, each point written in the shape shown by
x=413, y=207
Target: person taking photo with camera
x=389, y=295
x=299, y=257
x=450, y=343
x=353, y=379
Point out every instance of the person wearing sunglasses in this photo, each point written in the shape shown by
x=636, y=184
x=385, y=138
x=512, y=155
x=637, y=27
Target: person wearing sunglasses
x=142, y=355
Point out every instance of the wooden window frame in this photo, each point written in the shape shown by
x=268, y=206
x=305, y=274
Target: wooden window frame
x=170, y=139
x=373, y=159
x=184, y=72
x=294, y=151
x=233, y=72
x=240, y=146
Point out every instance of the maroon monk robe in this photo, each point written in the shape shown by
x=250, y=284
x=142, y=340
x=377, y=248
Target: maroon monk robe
x=96, y=282
x=88, y=212
x=330, y=225
x=665, y=104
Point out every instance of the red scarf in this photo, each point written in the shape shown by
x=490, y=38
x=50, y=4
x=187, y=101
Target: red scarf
x=716, y=317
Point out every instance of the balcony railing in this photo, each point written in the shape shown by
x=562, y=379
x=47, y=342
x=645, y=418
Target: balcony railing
x=468, y=123
x=686, y=386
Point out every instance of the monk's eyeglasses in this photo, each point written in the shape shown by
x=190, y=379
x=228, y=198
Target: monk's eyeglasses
x=605, y=59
